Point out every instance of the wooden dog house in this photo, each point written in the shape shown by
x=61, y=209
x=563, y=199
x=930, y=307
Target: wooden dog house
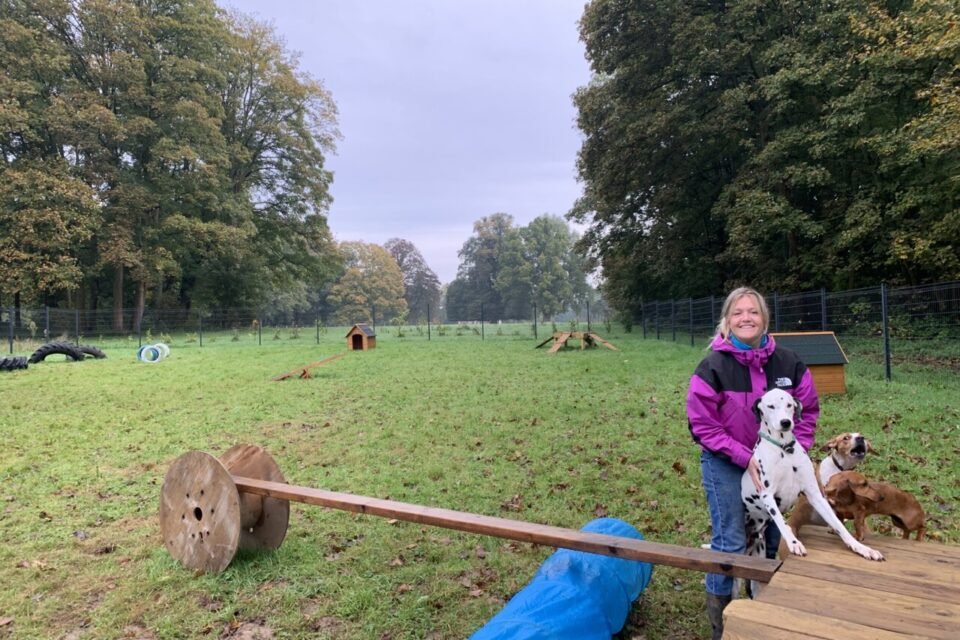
x=822, y=354
x=361, y=337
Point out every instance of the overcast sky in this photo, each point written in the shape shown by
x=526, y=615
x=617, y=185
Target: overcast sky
x=450, y=110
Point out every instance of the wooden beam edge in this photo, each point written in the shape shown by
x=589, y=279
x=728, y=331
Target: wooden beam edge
x=731, y=564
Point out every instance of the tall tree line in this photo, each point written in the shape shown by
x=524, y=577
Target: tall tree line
x=505, y=271
x=790, y=145
x=158, y=150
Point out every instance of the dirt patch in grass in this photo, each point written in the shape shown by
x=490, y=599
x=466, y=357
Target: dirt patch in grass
x=247, y=630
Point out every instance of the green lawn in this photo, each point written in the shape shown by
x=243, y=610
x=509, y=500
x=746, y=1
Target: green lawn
x=493, y=427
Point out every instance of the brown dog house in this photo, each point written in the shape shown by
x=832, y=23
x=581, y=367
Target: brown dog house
x=822, y=354
x=361, y=337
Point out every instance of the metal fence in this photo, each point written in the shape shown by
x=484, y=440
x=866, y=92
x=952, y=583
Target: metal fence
x=890, y=324
x=24, y=328
x=898, y=324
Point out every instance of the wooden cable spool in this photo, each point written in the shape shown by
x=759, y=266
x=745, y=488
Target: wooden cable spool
x=210, y=508
x=205, y=519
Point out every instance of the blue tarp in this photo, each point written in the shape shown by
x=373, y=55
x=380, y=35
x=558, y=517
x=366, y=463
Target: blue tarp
x=574, y=595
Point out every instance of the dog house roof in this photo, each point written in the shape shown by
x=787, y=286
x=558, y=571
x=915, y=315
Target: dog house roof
x=364, y=327
x=813, y=347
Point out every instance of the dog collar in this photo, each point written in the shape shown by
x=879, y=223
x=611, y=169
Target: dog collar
x=836, y=462
x=786, y=447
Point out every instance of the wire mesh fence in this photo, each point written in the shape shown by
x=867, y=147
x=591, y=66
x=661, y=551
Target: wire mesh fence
x=894, y=324
x=25, y=328
x=899, y=325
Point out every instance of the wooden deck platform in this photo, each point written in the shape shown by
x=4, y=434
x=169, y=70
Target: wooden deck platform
x=834, y=594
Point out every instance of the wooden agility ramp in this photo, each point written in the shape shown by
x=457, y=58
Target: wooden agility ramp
x=834, y=594
x=304, y=371
x=587, y=339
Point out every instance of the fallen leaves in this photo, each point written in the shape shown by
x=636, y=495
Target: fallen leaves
x=513, y=504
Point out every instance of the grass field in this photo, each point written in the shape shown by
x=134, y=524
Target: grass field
x=493, y=427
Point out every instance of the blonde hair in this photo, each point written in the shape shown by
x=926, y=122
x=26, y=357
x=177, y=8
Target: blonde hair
x=723, y=327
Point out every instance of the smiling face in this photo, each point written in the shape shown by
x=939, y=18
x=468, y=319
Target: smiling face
x=745, y=320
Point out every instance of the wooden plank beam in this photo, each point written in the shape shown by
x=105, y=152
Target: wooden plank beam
x=560, y=341
x=628, y=548
x=304, y=372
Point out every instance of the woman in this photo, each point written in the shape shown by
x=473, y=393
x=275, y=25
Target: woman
x=743, y=364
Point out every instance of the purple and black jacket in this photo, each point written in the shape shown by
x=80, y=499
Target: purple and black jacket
x=725, y=387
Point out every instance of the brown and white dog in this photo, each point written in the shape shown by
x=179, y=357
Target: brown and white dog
x=853, y=497
x=847, y=450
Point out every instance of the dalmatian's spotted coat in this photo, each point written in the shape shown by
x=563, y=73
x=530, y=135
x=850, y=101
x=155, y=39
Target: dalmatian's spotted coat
x=785, y=472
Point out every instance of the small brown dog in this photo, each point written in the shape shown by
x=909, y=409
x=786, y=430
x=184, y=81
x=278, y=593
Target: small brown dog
x=854, y=498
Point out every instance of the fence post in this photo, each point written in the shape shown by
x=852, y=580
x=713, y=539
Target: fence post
x=823, y=309
x=886, y=329
x=428, y=322
x=481, y=321
x=643, y=319
x=534, y=320
x=317, y=320
x=776, y=311
x=10, y=323
x=373, y=317
x=77, y=316
x=588, y=315
x=200, y=327
x=673, y=319
x=46, y=323
x=260, y=331
x=713, y=313
x=690, y=317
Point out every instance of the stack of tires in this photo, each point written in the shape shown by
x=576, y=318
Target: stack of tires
x=72, y=351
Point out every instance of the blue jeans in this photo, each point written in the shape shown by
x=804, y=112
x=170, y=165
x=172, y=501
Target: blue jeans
x=721, y=483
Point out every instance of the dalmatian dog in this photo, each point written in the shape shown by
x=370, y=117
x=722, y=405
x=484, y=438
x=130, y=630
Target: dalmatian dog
x=785, y=472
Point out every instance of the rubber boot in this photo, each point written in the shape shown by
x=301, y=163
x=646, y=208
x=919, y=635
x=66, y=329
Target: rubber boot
x=715, y=606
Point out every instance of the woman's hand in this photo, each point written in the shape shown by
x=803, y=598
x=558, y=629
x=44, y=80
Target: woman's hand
x=754, y=470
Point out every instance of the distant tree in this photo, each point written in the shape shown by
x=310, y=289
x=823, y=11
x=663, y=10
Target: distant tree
x=421, y=285
x=540, y=267
x=371, y=283
x=480, y=263
x=457, y=301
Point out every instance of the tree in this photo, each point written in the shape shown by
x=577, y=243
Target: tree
x=203, y=143
x=539, y=267
x=45, y=214
x=420, y=284
x=923, y=43
x=46, y=209
x=279, y=124
x=371, y=283
x=475, y=290
x=768, y=143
